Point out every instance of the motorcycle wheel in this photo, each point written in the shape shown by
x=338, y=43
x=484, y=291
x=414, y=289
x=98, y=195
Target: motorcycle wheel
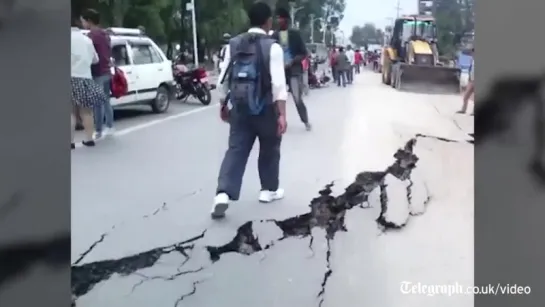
x=203, y=94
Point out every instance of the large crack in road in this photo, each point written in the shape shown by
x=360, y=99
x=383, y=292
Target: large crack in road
x=400, y=198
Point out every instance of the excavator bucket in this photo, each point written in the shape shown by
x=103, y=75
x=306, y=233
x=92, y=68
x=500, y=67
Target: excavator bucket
x=439, y=79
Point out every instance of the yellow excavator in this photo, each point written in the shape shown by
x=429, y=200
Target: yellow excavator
x=411, y=57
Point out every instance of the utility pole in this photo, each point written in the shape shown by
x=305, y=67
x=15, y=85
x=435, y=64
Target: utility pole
x=191, y=6
x=293, y=11
x=311, y=28
x=325, y=30
x=398, y=8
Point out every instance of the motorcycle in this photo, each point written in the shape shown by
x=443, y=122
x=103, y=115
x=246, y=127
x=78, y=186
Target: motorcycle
x=192, y=82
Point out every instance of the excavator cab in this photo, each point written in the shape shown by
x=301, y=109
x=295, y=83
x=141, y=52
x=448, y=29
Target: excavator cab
x=412, y=57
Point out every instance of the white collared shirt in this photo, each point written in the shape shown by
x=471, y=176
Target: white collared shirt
x=276, y=66
x=351, y=55
x=83, y=55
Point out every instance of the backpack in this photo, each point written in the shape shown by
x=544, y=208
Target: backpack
x=248, y=75
x=119, y=85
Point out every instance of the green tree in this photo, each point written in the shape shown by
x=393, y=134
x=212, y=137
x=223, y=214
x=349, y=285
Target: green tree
x=356, y=38
x=448, y=17
x=169, y=23
x=365, y=35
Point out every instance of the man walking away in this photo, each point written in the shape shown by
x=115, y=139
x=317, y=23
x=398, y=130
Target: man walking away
x=358, y=59
x=295, y=51
x=342, y=64
x=90, y=19
x=253, y=83
x=352, y=61
x=225, y=40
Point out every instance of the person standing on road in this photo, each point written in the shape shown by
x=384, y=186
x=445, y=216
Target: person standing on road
x=295, y=51
x=225, y=41
x=90, y=19
x=253, y=91
x=358, y=59
x=333, y=65
x=352, y=61
x=86, y=93
x=342, y=64
x=470, y=89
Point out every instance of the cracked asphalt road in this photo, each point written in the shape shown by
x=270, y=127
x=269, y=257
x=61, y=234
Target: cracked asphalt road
x=380, y=192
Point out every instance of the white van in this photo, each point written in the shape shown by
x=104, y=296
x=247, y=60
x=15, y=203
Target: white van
x=147, y=69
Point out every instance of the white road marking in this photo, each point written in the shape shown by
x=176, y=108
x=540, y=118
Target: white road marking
x=162, y=120
x=153, y=123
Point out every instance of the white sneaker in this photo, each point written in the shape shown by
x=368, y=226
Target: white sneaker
x=108, y=131
x=270, y=196
x=221, y=203
x=97, y=135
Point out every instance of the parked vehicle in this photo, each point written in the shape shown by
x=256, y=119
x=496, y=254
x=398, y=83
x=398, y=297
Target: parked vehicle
x=192, y=82
x=146, y=67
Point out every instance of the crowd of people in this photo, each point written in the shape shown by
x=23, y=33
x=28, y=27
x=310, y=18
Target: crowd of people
x=91, y=79
x=344, y=63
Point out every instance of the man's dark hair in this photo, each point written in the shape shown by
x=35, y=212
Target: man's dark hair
x=283, y=12
x=91, y=15
x=259, y=13
x=341, y=49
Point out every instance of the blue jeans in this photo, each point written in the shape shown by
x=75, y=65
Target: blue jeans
x=341, y=77
x=104, y=114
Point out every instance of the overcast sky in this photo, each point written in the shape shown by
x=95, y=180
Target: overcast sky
x=358, y=12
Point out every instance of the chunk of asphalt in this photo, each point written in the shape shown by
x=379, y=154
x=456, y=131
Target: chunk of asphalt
x=394, y=202
x=417, y=194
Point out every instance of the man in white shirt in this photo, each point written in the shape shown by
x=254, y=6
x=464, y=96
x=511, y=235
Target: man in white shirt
x=263, y=118
x=352, y=59
x=221, y=56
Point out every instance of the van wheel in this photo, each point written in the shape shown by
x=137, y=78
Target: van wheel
x=162, y=100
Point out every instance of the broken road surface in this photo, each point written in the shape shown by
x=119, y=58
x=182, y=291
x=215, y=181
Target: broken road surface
x=379, y=193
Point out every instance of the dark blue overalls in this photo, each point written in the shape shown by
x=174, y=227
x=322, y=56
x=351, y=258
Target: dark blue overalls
x=244, y=130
